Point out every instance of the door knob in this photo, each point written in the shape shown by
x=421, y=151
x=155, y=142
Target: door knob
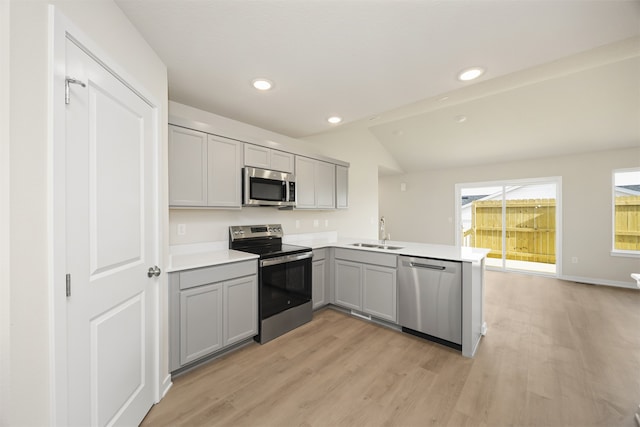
x=154, y=271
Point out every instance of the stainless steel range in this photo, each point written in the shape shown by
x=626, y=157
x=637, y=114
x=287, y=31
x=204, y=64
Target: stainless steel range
x=284, y=278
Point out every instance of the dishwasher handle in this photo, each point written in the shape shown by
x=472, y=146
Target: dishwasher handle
x=429, y=266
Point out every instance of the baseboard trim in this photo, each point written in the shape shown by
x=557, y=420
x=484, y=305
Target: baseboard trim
x=591, y=281
x=166, y=385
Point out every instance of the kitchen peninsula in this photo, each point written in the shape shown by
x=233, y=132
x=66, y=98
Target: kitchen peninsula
x=357, y=276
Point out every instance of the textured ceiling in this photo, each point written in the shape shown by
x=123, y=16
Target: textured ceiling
x=359, y=59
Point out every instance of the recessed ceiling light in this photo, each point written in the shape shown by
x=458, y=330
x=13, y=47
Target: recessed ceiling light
x=262, y=84
x=334, y=120
x=460, y=119
x=470, y=74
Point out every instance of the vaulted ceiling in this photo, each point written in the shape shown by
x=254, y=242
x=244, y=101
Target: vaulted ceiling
x=560, y=75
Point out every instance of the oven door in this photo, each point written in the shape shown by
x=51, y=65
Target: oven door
x=285, y=282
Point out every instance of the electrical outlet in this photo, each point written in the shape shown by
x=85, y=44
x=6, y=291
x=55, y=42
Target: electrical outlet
x=182, y=229
x=574, y=260
x=316, y=223
x=297, y=223
x=326, y=223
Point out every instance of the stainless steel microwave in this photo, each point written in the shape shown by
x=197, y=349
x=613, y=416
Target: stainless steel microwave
x=262, y=187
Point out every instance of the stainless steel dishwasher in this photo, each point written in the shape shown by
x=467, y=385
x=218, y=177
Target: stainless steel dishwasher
x=430, y=299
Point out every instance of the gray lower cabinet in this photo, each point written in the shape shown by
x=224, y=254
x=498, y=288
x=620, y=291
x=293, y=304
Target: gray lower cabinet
x=348, y=284
x=240, y=309
x=199, y=307
x=211, y=308
x=379, y=292
x=366, y=281
x=320, y=278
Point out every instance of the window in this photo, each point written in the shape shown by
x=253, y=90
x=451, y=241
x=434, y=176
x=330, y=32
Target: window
x=626, y=212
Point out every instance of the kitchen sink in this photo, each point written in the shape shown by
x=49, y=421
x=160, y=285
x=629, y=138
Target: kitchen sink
x=376, y=246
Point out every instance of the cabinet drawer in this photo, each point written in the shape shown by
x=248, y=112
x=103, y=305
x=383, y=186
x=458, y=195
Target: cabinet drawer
x=217, y=273
x=367, y=257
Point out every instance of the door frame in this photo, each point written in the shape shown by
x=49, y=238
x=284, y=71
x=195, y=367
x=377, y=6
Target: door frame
x=60, y=28
x=557, y=180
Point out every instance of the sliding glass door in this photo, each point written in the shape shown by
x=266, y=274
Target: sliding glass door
x=516, y=220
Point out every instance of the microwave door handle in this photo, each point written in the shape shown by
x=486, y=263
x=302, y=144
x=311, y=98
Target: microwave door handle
x=285, y=184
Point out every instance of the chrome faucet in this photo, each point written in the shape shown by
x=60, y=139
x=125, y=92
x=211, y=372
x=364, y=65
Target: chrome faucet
x=383, y=232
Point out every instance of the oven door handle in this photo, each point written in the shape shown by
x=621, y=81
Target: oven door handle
x=286, y=258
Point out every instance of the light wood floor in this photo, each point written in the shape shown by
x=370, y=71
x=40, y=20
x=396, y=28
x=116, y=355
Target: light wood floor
x=556, y=354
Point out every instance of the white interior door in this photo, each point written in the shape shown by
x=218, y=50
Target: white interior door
x=111, y=244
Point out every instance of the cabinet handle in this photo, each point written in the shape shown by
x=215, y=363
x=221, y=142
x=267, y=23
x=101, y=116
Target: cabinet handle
x=429, y=266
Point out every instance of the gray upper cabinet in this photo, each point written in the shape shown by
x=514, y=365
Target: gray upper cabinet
x=187, y=167
x=342, y=187
x=325, y=185
x=267, y=158
x=305, y=183
x=224, y=181
x=204, y=170
x=316, y=184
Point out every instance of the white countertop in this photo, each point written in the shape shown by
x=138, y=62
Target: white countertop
x=184, y=257
x=423, y=250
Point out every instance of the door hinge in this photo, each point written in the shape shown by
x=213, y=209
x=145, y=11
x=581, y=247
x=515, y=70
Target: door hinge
x=68, y=279
x=67, y=82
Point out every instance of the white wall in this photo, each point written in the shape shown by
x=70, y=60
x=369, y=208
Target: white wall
x=29, y=327
x=5, y=294
x=425, y=211
x=360, y=220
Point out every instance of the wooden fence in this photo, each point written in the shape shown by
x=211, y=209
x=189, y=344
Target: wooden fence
x=627, y=223
x=530, y=229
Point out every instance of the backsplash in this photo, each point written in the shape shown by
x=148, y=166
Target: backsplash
x=212, y=225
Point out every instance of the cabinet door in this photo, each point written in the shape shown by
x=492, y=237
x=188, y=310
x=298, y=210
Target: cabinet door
x=200, y=322
x=325, y=185
x=257, y=156
x=379, y=296
x=224, y=172
x=305, y=183
x=318, y=283
x=241, y=309
x=342, y=187
x=281, y=161
x=187, y=167
x=348, y=284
